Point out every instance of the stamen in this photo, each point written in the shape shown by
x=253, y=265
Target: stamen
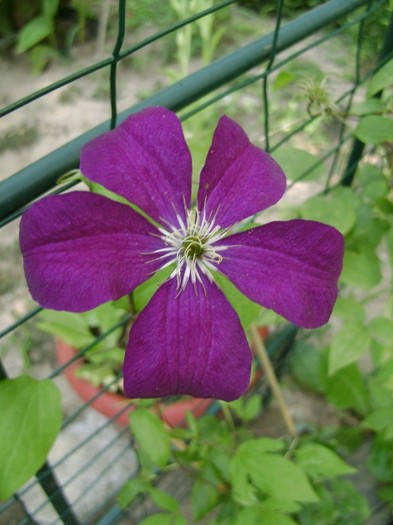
x=191, y=246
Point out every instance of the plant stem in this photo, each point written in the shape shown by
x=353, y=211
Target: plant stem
x=272, y=380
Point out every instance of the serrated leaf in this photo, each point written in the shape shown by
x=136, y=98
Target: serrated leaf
x=361, y=269
x=347, y=345
x=30, y=421
x=321, y=462
x=299, y=164
x=151, y=435
x=374, y=129
x=381, y=80
x=346, y=389
x=33, y=32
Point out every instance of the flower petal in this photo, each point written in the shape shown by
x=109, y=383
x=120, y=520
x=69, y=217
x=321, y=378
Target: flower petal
x=81, y=249
x=238, y=179
x=146, y=160
x=187, y=343
x=291, y=267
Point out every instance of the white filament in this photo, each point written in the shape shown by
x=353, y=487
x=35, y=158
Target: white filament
x=191, y=247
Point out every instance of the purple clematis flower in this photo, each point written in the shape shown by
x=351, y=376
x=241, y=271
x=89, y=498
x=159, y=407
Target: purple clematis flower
x=82, y=249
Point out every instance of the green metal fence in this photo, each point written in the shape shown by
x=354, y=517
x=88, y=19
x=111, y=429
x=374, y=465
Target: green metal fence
x=63, y=490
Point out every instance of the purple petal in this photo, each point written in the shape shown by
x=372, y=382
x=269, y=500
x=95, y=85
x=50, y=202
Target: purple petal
x=81, y=249
x=187, y=343
x=291, y=267
x=238, y=179
x=146, y=160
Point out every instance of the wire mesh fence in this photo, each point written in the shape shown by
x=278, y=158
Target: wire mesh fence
x=93, y=456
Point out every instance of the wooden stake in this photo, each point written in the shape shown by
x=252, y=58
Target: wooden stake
x=272, y=380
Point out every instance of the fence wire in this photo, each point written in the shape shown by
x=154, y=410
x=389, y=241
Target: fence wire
x=253, y=63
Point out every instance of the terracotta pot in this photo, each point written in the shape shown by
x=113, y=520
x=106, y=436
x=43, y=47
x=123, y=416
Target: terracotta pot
x=110, y=403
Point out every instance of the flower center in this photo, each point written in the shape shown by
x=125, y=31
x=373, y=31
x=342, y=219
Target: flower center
x=191, y=247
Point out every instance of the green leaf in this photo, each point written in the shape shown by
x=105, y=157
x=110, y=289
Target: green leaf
x=204, y=495
x=307, y=364
x=252, y=407
x=346, y=389
x=40, y=57
x=258, y=515
x=164, y=500
x=131, y=490
x=373, y=105
x=380, y=461
x=158, y=519
x=374, y=129
x=299, y=164
x=334, y=209
x=30, y=421
x=381, y=353
x=151, y=435
x=33, y=32
x=349, y=309
x=381, y=420
x=372, y=182
x=340, y=503
x=247, y=409
x=347, y=345
x=361, y=269
x=380, y=385
x=386, y=494
x=282, y=79
x=382, y=329
x=246, y=309
x=105, y=316
x=321, y=462
x=144, y=292
x=271, y=517
x=382, y=79
x=278, y=477
x=71, y=328
x=281, y=505
x=49, y=7
x=271, y=474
